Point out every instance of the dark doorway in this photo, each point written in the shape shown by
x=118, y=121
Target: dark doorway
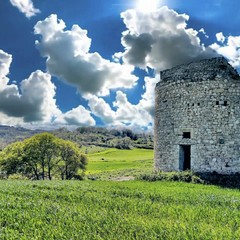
x=184, y=157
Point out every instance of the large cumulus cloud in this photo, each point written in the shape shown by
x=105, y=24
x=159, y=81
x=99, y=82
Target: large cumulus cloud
x=137, y=116
x=160, y=39
x=69, y=59
x=32, y=101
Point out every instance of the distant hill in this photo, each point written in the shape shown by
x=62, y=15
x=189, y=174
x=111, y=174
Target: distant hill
x=123, y=139
x=83, y=136
x=10, y=134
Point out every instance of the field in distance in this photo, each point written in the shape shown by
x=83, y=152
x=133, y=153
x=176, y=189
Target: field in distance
x=118, y=164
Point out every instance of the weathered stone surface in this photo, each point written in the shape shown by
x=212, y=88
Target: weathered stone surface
x=200, y=99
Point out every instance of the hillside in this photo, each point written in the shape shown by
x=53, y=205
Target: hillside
x=83, y=136
x=10, y=134
x=102, y=137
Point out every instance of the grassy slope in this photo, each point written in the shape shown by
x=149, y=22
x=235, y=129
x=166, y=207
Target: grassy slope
x=117, y=210
x=117, y=163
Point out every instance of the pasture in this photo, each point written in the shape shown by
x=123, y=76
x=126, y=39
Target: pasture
x=116, y=164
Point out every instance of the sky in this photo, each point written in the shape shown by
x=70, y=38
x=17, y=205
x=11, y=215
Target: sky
x=71, y=63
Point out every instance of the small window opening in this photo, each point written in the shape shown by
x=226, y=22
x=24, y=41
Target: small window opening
x=217, y=102
x=225, y=103
x=227, y=165
x=186, y=134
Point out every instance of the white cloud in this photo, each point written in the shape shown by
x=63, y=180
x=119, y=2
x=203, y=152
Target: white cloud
x=229, y=47
x=26, y=7
x=130, y=114
x=148, y=97
x=101, y=109
x=160, y=39
x=137, y=116
x=34, y=101
x=220, y=37
x=69, y=59
x=77, y=117
x=202, y=30
x=5, y=62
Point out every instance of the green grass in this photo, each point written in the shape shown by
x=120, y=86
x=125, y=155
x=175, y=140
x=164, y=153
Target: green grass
x=112, y=163
x=117, y=210
x=112, y=210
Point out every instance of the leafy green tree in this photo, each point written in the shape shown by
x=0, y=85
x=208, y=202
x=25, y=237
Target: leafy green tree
x=12, y=158
x=41, y=156
x=71, y=159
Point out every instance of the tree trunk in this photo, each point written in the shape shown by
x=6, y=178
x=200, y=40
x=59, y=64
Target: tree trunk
x=43, y=170
x=49, y=173
x=66, y=171
x=36, y=172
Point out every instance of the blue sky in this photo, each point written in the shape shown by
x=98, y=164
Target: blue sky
x=71, y=63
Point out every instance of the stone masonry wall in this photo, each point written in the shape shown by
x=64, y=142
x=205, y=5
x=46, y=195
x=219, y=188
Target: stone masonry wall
x=203, y=100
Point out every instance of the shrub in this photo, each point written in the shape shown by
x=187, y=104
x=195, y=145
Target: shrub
x=185, y=176
x=17, y=176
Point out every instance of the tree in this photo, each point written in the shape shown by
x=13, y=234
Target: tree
x=40, y=151
x=71, y=159
x=12, y=158
x=124, y=143
x=41, y=156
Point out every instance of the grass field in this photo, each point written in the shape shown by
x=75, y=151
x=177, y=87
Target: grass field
x=117, y=210
x=115, y=163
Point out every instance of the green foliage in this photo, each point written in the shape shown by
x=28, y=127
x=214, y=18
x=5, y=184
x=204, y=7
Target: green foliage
x=185, y=176
x=117, y=210
x=70, y=160
x=111, y=138
x=12, y=158
x=84, y=136
x=43, y=156
x=17, y=176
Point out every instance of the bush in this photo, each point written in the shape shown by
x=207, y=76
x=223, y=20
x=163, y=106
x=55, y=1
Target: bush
x=17, y=176
x=185, y=176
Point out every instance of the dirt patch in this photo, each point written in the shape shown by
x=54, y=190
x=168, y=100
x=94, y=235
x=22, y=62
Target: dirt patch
x=123, y=178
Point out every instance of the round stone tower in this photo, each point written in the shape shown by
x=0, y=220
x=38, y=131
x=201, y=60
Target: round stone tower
x=197, y=118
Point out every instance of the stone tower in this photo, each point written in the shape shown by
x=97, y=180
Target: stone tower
x=197, y=118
